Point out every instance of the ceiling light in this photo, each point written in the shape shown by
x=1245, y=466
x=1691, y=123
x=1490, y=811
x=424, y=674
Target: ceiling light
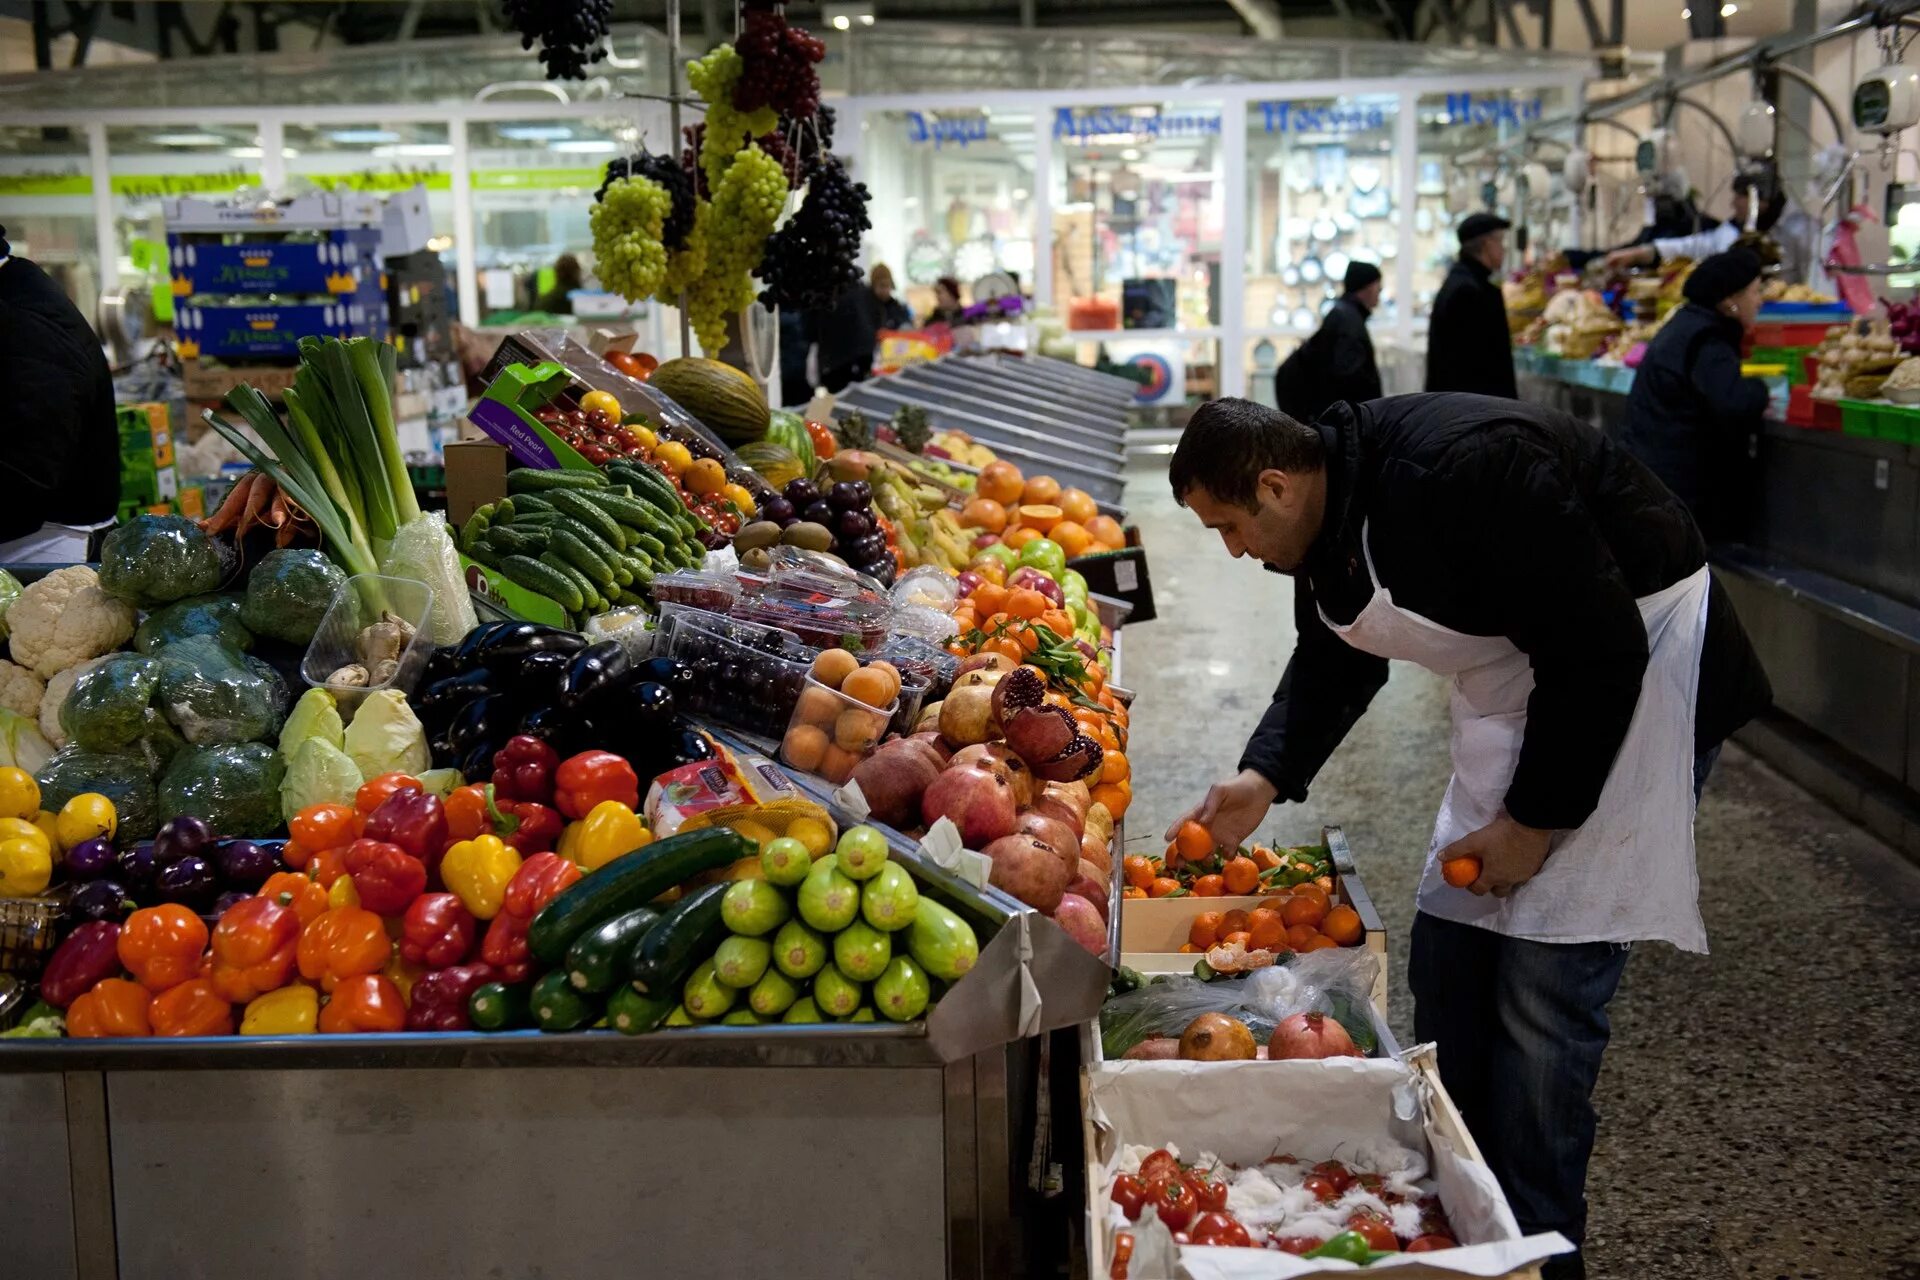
x=1686, y=15
x=416, y=149
x=1728, y=10
x=1131, y=153
x=244, y=153
x=363, y=135
x=848, y=14
x=535, y=132
x=866, y=19
x=841, y=22
x=586, y=147
x=198, y=139
x=1020, y=193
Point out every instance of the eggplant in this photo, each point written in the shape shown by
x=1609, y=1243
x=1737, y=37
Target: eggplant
x=137, y=865
x=541, y=678
x=503, y=652
x=100, y=900
x=227, y=899
x=191, y=882
x=90, y=859
x=692, y=745
x=246, y=865
x=180, y=837
x=440, y=664
x=439, y=702
x=466, y=654
x=485, y=720
x=477, y=762
x=674, y=673
x=594, y=673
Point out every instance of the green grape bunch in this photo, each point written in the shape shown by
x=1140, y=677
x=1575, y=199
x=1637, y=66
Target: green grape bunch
x=747, y=202
x=628, y=225
x=714, y=78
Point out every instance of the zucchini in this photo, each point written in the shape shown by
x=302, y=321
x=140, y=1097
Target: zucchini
x=586, y=513
x=597, y=960
x=570, y=547
x=539, y=575
x=689, y=932
x=534, y=480
x=557, y=1006
x=632, y=1014
x=499, y=1006
x=525, y=503
x=629, y=881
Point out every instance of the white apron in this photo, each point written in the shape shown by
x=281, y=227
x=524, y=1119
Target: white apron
x=1627, y=874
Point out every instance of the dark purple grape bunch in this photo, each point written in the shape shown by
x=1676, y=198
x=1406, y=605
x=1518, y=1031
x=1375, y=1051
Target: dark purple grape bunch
x=814, y=257
x=798, y=147
x=777, y=66
x=572, y=33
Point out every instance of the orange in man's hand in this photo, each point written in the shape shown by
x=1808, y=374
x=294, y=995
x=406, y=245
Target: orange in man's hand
x=1193, y=840
x=1460, y=872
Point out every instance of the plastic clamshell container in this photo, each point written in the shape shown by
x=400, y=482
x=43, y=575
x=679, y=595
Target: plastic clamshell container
x=714, y=592
x=913, y=694
x=744, y=675
x=858, y=626
x=849, y=729
x=358, y=604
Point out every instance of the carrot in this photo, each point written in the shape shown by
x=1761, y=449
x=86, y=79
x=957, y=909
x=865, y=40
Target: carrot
x=257, y=498
x=229, y=513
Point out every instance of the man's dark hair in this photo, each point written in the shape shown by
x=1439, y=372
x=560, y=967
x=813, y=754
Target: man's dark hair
x=1229, y=442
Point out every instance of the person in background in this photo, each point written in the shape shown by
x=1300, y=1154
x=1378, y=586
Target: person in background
x=1673, y=215
x=61, y=456
x=888, y=311
x=1468, y=345
x=1336, y=363
x=795, y=389
x=847, y=333
x=1691, y=415
x=566, y=278
x=946, y=302
x=1757, y=197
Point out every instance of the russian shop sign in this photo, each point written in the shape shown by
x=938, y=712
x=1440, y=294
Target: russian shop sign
x=1333, y=117
x=397, y=178
x=1096, y=122
x=1467, y=108
x=923, y=128
x=46, y=182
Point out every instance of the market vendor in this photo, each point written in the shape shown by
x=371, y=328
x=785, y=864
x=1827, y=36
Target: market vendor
x=1468, y=345
x=1336, y=363
x=1757, y=201
x=1595, y=670
x=1691, y=417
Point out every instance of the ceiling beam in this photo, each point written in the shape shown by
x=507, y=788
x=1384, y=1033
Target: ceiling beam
x=1511, y=23
x=1261, y=16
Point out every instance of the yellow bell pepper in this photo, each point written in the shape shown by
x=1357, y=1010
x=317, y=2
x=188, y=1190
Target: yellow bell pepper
x=342, y=893
x=84, y=817
x=609, y=830
x=19, y=793
x=403, y=974
x=26, y=866
x=476, y=871
x=289, y=1011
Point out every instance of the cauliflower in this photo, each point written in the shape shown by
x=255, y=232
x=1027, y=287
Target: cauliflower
x=56, y=695
x=65, y=618
x=20, y=689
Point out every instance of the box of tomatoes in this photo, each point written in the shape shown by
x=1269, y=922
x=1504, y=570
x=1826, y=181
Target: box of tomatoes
x=1224, y=908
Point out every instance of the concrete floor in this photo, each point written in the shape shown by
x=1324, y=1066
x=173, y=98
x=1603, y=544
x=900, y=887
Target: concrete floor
x=1760, y=1108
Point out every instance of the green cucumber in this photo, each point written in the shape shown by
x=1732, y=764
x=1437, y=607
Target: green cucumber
x=597, y=960
x=535, y=519
x=518, y=541
x=632, y=1014
x=534, y=480
x=503, y=512
x=569, y=547
x=525, y=503
x=540, y=575
x=476, y=524
x=655, y=549
x=691, y=929
x=631, y=598
x=630, y=880
x=499, y=1006
x=557, y=1006
x=581, y=582
x=628, y=510
x=480, y=553
x=586, y=513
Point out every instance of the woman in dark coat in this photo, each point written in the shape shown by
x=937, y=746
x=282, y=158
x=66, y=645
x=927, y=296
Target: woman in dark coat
x=1692, y=416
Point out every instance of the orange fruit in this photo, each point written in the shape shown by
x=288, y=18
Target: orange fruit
x=1116, y=796
x=804, y=747
x=704, y=476
x=1058, y=622
x=1018, y=538
x=1343, y=925
x=988, y=599
x=869, y=685
x=1025, y=602
x=1039, y=516
x=1107, y=530
x=1073, y=538
x=1138, y=870
x=1187, y=948
x=1001, y=482
x=833, y=666
x=1275, y=904
x=1210, y=887
x=1193, y=840
x=1114, y=767
x=1298, y=935
x=1460, y=872
x=1265, y=929
x=1303, y=910
x=1133, y=891
x=1205, y=929
x=858, y=730
x=1238, y=938
x=1264, y=858
x=1234, y=921
x=983, y=513
x=1077, y=505
x=1241, y=875
x=991, y=569
x=1318, y=942
x=1006, y=647
x=1162, y=886
x=837, y=766
x=1043, y=489
x=817, y=706
x=892, y=673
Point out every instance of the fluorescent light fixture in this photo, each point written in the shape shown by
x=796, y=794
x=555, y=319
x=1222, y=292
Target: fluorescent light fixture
x=848, y=14
x=363, y=136
x=1131, y=153
x=1020, y=193
x=841, y=22
x=244, y=153
x=416, y=149
x=440, y=244
x=1728, y=10
x=586, y=147
x=200, y=138
x=535, y=132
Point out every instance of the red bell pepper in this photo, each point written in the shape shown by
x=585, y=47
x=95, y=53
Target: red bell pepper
x=523, y=769
x=386, y=877
x=255, y=946
x=89, y=956
x=437, y=931
x=366, y=1002
x=505, y=947
x=527, y=825
x=538, y=881
x=583, y=781
x=440, y=998
x=413, y=820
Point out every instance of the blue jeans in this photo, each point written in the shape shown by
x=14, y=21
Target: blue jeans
x=1521, y=1027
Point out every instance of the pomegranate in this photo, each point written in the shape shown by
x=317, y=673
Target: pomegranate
x=1083, y=922
x=1093, y=849
x=978, y=801
x=894, y=778
x=929, y=721
x=1154, y=1049
x=1061, y=812
x=966, y=715
x=999, y=662
x=1031, y=871
x=1076, y=793
x=1214, y=1037
x=939, y=744
x=1099, y=822
x=1091, y=883
x=1311, y=1035
x=997, y=755
x=1051, y=831
x=1044, y=735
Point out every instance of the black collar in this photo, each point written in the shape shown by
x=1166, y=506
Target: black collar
x=1339, y=428
x=1358, y=305
x=1480, y=269
x=1726, y=324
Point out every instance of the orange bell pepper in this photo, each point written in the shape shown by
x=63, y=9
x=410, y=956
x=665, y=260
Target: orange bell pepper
x=467, y=814
x=341, y=943
x=254, y=949
x=191, y=1009
x=114, y=1008
x=297, y=890
x=323, y=826
x=161, y=946
x=364, y=1002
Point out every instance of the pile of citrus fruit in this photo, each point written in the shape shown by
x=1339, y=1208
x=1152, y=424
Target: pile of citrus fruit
x=1298, y=912
x=1010, y=509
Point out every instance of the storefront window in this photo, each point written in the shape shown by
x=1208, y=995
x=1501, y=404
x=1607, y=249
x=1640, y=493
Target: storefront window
x=46, y=205
x=152, y=165
x=380, y=158
x=951, y=195
x=1320, y=195
x=1137, y=215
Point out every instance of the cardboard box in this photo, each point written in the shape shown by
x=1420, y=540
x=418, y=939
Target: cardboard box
x=340, y=262
x=275, y=329
x=476, y=475
x=486, y=584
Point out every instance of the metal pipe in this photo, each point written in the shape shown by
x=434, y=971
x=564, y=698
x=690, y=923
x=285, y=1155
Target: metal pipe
x=1812, y=86
x=1733, y=144
x=673, y=143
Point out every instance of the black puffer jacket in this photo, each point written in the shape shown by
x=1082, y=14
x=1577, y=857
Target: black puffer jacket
x=1335, y=364
x=1493, y=517
x=1468, y=346
x=1692, y=417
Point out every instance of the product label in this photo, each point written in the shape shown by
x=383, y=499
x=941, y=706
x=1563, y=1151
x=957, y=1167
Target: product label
x=1467, y=108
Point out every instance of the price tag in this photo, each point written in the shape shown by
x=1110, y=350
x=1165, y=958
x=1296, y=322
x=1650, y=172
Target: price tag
x=942, y=845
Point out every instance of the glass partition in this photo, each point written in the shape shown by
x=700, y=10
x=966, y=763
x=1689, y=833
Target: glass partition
x=46, y=205
x=1137, y=211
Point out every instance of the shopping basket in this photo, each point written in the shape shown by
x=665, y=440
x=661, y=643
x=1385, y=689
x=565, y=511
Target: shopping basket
x=26, y=934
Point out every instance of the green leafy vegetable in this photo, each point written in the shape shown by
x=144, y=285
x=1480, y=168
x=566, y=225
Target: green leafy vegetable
x=22, y=745
x=121, y=777
x=9, y=592
x=212, y=696
x=217, y=616
x=315, y=715
x=107, y=707
x=386, y=737
x=153, y=560
x=288, y=593
x=318, y=773
x=235, y=787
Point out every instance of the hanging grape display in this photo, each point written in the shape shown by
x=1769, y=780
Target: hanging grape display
x=811, y=258
x=571, y=33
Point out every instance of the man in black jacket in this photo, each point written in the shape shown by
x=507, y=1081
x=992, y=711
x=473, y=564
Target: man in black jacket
x=1336, y=363
x=1595, y=670
x=1468, y=346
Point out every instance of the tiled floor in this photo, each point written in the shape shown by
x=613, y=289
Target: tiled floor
x=1760, y=1108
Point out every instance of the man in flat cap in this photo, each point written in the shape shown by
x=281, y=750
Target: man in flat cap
x=1336, y=363
x=1468, y=347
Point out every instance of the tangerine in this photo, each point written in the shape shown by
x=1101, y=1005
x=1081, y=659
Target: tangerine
x=1241, y=875
x=1025, y=602
x=1041, y=489
x=1210, y=887
x=1318, y=942
x=1305, y=911
x=1266, y=929
x=1077, y=505
x=1315, y=892
x=1239, y=938
x=1057, y=621
x=837, y=766
x=1132, y=891
x=1162, y=887
x=989, y=598
x=1205, y=929
x=1460, y=872
x=1018, y=538
x=1106, y=530
x=1137, y=869
x=1114, y=767
x=1234, y=921
x=704, y=476
x=1001, y=482
x=1193, y=840
x=1073, y=538
x=1299, y=935
x=1343, y=925
x=983, y=513
x=1264, y=858
x=1039, y=516
x=1116, y=796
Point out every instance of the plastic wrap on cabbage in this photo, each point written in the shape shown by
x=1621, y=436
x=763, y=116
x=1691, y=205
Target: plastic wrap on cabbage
x=288, y=593
x=153, y=560
x=159, y=742
x=277, y=687
x=386, y=737
x=212, y=696
x=9, y=592
x=422, y=550
x=318, y=773
x=217, y=616
x=22, y=745
x=315, y=715
x=119, y=776
x=235, y=787
x=107, y=708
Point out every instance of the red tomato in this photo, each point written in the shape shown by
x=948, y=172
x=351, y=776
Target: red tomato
x=1130, y=1194
x=1211, y=1193
x=1160, y=1164
x=1221, y=1229
x=1295, y=1245
x=1323, y=1191
x=1336, y=1173
x=1430, y=1243
x=1378, y=1232
x=1371, y=1182
x=1175, y=1201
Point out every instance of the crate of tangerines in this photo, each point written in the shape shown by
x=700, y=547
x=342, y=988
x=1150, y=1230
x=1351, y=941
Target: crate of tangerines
x=1235, y=910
